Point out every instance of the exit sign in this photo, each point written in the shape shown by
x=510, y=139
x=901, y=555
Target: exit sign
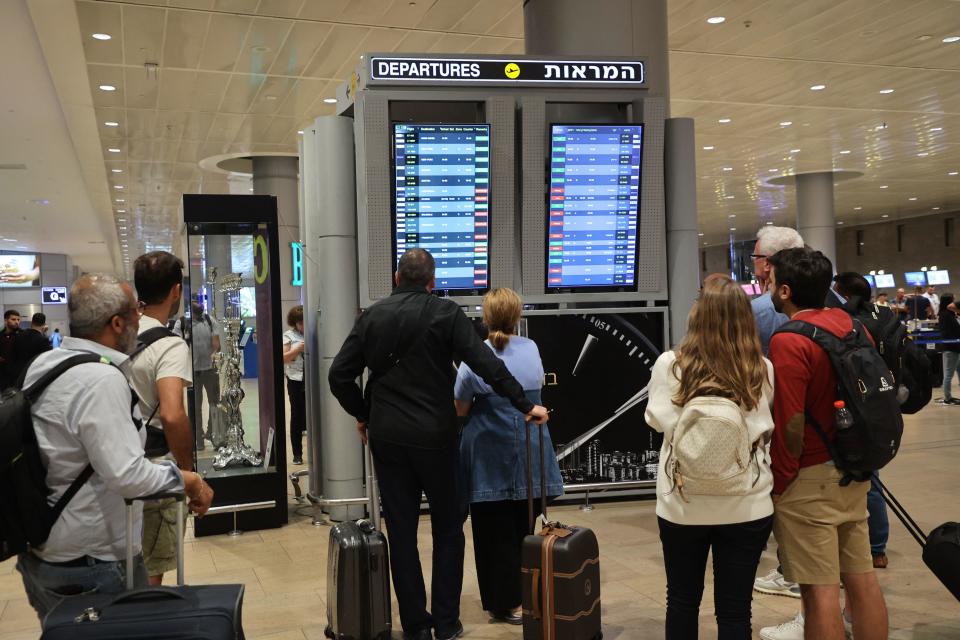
x=296, y=256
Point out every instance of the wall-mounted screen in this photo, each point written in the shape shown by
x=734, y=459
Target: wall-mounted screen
x=871, y=281
x=19, y=270
x=442, y=200
x=915, y=278
x=938, y=277
x=885, y=281
x=594, y=199
x=53, y=295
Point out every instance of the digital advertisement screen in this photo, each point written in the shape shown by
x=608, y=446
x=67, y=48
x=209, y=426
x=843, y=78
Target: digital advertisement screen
x=870, y=280
x=594, y=200
x=442, y=200
x=19, y=270
x=938, y=277
x=915, y=278
x=885, y=281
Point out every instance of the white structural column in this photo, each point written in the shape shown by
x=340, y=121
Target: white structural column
x=277, y=176
x=680, y=175
x=815, y=217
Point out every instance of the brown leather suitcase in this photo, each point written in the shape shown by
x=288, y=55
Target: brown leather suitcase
x=561, y=574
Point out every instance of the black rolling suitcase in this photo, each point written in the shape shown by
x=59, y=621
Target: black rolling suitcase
x=208, y=612
x=941, y=549
x=358, y=575
x=561, y=574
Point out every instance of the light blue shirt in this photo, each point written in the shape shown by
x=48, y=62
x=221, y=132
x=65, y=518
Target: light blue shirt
x=767, y=318
x=522, y=358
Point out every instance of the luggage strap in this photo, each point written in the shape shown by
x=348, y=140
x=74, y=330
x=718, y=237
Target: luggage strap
x=908, y=522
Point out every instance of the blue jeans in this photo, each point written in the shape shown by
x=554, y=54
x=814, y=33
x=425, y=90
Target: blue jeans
x=47, y=584
x=950, y=361
x=877, y=520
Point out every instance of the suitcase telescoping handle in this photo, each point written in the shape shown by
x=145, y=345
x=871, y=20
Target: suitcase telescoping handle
x=373, y=493
x=543, y=477
x=908, y=522
x=181, y=508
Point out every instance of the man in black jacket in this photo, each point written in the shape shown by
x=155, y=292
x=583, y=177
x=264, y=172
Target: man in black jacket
x=30, y=343
x=409, y=341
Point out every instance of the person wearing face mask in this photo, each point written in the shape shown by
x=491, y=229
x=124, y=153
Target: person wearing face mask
x=84, y=420
x=159, y=373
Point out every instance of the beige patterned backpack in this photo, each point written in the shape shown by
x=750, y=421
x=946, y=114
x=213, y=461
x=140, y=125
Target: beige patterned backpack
x=710, y=451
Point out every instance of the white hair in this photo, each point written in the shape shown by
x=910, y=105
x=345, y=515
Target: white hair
x=774, y=239
x=94, y=299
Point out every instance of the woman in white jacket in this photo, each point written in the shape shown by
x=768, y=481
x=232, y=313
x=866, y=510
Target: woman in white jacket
x=711, y=399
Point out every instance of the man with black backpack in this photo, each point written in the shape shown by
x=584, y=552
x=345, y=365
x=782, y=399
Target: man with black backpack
x=836, y=421
x=80, y=453
x=160, y=370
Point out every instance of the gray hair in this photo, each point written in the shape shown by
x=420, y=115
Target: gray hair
x=774, y=239
x=94, y=299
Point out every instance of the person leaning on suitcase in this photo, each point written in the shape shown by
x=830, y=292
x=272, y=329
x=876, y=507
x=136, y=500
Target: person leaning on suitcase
x=493, y=460
x=84, y=418
x=409, y=341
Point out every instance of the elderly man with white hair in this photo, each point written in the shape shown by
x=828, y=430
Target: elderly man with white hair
x=770, y=240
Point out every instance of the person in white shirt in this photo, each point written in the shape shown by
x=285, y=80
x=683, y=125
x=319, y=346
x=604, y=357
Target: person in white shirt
x=86, y=418
x=293, y=346
x=716, y=379
x=159, y=374
x=934, y=299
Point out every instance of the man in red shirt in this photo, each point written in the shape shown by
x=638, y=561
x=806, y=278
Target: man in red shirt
x=821, y=527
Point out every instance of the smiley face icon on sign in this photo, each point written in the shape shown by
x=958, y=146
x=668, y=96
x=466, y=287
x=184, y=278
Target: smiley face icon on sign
x=512, y=70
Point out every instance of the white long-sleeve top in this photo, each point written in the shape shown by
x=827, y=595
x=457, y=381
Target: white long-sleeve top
x=663, y=415
x=84, y=417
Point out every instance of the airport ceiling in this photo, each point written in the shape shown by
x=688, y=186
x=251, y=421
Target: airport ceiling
x=200, y=78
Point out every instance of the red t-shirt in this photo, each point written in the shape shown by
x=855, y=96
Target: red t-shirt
x=803, y=381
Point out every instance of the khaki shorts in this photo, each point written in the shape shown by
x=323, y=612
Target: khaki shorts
x=821, y=527
x=160, y=536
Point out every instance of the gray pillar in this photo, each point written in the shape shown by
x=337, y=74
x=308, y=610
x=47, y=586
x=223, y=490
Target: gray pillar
x=680, y=177
x=602, y=28
x=330, y=235
x=278, y=176
x=815, y=217
x=217, y=252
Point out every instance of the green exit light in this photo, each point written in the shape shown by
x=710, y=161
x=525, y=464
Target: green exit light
x=296, y=254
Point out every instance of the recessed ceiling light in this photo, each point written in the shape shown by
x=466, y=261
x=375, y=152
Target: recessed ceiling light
x=700, y=234
x=883, y=186
x=716, y=20
x=886, y=91
x=270, y=98
x=951, y=39
x=935, y=129
x=732, y=215
x=923, y=37
x=118, y=186
x=728, y=168
x=724, y=120
x=113, y=150
x=299, y=132
x=913, y=198
x=844, y=151
x=785, y=123
x=111, y=123
x=107, y=87
x=886, y=215
x=840, y=222
x=769, y=221
x=121, y=211
x=101, y=36
x=729, y=197
x=773, y=170
x=818, y=87
x=260, y=49
x=733, y=228
x=116, y=170
x=794, y=150
x=936, y=208
x=952, y=173
x=922, y=154
x=251, y=188
x=857, y=208
x=119, y=200
x=330, y=100
x=708, y=148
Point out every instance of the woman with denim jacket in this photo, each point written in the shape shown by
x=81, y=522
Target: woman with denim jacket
x=493, y=459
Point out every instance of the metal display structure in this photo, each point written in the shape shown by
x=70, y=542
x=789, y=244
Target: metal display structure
x=519, y=97
x=250, y=493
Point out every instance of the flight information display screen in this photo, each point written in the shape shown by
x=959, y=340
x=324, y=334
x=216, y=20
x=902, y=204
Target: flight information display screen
x=442, y=200
x=594, y=199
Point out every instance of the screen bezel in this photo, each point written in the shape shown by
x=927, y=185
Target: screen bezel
x=893, y=279
x=939, y=284
x=442, y=292
x=548, y=289
x=906, y=278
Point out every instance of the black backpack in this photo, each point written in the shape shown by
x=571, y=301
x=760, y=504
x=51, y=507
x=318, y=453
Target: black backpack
x=26, y=517
x=909, y=365
x=867, y=387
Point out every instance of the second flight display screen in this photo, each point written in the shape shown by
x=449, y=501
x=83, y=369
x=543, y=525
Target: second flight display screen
x=442, y=186
x=594, y=197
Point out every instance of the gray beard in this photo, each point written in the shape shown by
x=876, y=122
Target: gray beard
x=128, y=339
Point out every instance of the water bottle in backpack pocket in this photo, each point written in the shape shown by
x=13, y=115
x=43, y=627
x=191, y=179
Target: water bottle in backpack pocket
x=710, y=450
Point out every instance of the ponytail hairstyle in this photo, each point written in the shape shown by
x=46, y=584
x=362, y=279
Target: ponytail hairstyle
x=501, y=315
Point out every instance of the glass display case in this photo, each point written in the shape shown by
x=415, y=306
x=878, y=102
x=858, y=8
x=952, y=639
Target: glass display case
x=233, y=327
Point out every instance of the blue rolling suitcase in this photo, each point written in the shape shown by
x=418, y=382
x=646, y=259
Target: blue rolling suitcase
x=208, y=612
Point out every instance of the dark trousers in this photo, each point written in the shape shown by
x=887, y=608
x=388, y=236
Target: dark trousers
x=206, y=380
x=298, y=415
x=498, y=532
x=736, y=554
x=403, y=473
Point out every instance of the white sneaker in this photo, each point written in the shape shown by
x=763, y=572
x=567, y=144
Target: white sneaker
x=791, y=630
x=776, y=585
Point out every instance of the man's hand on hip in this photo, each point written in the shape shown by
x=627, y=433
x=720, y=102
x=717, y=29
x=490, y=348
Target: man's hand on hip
x=362, y=430
x=538, y=415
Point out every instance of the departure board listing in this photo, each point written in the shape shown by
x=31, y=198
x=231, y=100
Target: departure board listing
x=594, y=198
x=441, y=201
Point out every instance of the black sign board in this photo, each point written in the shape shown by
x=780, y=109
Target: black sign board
x=506, y=71
x=54, y=295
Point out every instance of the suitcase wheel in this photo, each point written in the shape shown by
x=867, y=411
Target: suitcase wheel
x=328, y=631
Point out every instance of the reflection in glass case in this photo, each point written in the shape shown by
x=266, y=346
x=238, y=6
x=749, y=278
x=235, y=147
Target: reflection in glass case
x=234, y=330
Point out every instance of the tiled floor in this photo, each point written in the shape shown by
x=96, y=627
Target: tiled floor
x=284, y=570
